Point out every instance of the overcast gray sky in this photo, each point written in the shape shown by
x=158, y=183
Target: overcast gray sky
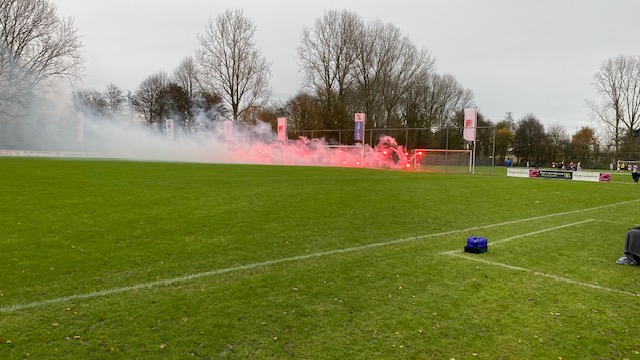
x=535, y=56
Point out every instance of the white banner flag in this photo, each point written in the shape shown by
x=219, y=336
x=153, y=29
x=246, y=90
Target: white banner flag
x=470, y=123
x=169, y=128
x=282, y=129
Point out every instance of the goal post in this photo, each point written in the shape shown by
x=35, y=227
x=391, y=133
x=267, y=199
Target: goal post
x=440, y=160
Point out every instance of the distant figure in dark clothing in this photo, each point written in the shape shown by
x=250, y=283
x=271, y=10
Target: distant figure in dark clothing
x=631, y=248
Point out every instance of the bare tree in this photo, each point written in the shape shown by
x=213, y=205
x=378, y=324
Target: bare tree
x=176, y=105
x=147, y=100
x=405, y=67
x=631, y=93
x=115, y=99
x=90, y=102
x=231, y=64
x=448, y=96
x=369, y=60
x=606, y=116
x=388, y=66
x=529, y=139
x=305, y=112
x=504, y=137
x=617, y=82
x=585, y=144
x=37, y=47
x=327, y=56
x=558, y=141
x=186, y=76
x=185, y=84
x=105, y=105
x=436, y=101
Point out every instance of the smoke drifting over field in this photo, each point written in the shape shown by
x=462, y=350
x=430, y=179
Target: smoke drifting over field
x=256, y=144
x=57, y=128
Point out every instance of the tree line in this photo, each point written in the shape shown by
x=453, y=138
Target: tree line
x=349, y=65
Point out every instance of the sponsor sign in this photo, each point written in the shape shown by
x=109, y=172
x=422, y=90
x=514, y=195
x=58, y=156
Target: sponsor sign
x=9, y=153
x=559, y=174
x=65, y=154
x=551, y=174
x=518, y=172
x=587, y=176
x=36, y=153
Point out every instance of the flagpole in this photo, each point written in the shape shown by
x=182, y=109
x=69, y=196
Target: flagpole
x=475, y=140
x=473, y=161
x=358, y=134
x=364, y=124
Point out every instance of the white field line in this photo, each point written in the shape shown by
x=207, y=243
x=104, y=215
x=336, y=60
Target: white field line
x=453, y=252
x=617, y=222
x=180, y=279
x=538, y=273
x=459, y=254
x=541, y=231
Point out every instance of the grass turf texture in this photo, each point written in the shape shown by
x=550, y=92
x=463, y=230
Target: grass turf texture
x=81, y=227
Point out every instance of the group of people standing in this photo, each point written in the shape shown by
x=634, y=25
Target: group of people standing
x=622, y=167
x=632, y=168
x=570, y=166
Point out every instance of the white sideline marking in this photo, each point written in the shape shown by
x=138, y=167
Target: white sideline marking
x=458, y=254
x=541, y=231
x=617, y=222
x=452, y=252
x=11, y=308
x=538, y=273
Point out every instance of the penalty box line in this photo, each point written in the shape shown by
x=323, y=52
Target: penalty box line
x=186, y=278
x=458, y=254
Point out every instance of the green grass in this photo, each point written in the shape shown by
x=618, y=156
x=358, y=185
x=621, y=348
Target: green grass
x=72, y=228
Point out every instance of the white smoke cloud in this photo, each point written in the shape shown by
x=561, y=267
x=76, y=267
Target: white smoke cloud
x=54, y=125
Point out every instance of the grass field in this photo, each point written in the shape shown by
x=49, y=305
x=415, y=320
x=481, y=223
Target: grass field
x=135, y=260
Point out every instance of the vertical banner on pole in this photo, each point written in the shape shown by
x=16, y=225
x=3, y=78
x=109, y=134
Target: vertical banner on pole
x=469, y=133
x=470, y=123
x=169, y=128
x=358, y=132
x=282, y=129
x=80, y=127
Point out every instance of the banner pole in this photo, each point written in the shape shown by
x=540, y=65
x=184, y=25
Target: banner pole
x=364, y=124
x=473, y=161
x=359, y=130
